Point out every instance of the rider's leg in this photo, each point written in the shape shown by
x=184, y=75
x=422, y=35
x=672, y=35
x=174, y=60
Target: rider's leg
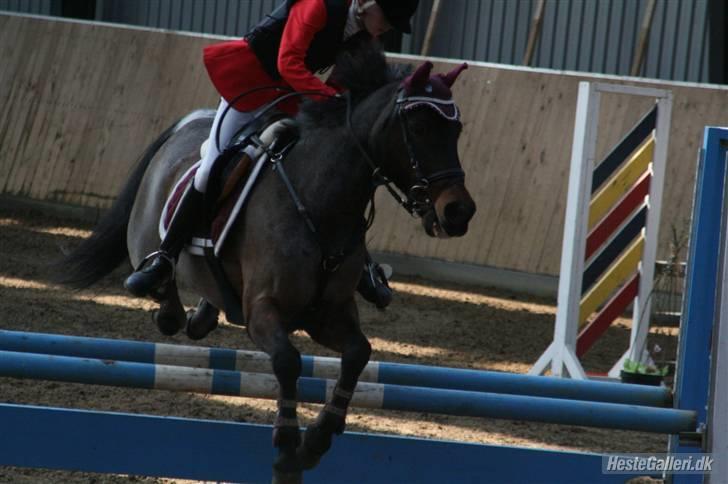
x=158, y=268
x=231, y=124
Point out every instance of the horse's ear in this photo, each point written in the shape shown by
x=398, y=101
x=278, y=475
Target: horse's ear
x=419, y=78
x=452, y=76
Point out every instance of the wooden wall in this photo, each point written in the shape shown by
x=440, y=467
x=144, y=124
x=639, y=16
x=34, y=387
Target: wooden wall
x=78, y=102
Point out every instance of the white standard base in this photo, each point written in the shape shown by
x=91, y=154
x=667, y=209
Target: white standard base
x=559, y=359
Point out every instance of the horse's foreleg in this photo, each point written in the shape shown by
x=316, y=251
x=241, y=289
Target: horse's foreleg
x=202, y=320
x=341, y=332
x=171, y=317
x=270, y=335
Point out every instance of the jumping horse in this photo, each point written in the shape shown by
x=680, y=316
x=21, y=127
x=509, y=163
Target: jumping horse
x=294, y=271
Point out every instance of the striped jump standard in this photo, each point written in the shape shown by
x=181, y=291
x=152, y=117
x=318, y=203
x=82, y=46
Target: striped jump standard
x=610, y=233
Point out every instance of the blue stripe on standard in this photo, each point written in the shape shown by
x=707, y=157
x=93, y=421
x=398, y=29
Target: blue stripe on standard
x=538, y=409
x=306, y=366
x=623, y=149
x=226, y=382
x=610, y=253
x=311, y=390
x=84, y=347
x=77, y=370
x=223, y=359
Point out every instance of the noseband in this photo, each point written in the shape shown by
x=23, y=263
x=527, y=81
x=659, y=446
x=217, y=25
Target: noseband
x=417, y=200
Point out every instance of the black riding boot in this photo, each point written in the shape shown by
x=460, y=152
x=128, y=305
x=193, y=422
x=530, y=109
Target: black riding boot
x=157, y=269
x=373, y=285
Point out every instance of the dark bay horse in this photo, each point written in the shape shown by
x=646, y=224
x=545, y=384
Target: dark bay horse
x=394, y=129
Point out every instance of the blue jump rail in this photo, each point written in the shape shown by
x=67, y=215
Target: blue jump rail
x=324, y=367
x=367, y=395
x=211, y=451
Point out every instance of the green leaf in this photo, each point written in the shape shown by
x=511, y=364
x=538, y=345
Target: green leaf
x=631, y=366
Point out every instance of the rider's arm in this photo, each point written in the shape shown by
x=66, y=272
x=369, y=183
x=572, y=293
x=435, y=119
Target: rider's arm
x=305, y=20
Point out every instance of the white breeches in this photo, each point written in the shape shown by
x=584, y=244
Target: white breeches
x=233, y=121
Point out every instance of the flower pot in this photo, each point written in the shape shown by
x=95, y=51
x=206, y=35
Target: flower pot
x=641, y=378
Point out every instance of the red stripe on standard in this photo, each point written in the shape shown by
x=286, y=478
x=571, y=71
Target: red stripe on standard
x=619, y=213
x=591, y=333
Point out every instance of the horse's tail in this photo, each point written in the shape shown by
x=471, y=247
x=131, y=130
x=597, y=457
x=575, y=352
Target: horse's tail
x=106, y=248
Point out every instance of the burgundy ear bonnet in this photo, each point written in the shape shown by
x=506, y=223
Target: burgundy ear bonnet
x=421, y=89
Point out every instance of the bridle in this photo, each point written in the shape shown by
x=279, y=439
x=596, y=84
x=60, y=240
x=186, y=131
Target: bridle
x=417, y=200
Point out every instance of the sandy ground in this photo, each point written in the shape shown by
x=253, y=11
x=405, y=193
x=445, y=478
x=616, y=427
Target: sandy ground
x=429, y=323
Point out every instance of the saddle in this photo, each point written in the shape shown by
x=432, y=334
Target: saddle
x=232, y=179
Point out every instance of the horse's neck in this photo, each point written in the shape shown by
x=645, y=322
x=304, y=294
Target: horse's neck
x=337, y=182
x=335, y=185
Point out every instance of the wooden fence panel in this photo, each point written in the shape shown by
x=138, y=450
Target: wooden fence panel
x=79, y=101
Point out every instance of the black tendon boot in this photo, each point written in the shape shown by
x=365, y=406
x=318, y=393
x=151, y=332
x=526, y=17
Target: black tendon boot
x=157, y=269
x=373, y=285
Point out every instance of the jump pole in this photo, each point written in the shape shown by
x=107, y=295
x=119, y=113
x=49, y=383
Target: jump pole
x=328, y=368
x=367, y=395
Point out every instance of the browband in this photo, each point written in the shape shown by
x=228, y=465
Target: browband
x=444, y=107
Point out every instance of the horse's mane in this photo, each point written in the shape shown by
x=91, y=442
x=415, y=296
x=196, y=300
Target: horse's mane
x=361, y=69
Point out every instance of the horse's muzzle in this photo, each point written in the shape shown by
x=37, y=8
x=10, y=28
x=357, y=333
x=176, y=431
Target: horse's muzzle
x=456, y=218
x=451, y=215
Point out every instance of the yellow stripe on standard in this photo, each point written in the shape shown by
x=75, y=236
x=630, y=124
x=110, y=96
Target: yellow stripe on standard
x=617, y=275
x=627, y=176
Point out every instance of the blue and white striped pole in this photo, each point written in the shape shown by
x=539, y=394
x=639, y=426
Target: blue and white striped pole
x=325, y=367
x=367, y=395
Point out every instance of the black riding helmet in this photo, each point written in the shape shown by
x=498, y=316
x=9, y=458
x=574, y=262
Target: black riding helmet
x=399, y=12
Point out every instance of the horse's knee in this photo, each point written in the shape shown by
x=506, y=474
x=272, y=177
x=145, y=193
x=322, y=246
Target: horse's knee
x=268, y=332
x=286, y=361
x=357, y=353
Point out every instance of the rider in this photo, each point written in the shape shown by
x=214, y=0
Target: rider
x=285, y=49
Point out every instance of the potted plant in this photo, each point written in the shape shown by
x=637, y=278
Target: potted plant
x=635, y=372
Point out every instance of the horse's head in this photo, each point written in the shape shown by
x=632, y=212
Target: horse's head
x=425, y=164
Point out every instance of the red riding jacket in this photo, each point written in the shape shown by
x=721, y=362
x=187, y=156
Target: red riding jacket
x=234, y=67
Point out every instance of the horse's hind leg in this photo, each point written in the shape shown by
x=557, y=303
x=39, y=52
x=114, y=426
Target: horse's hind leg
x=269, y=334
x=339, y=331
x=171, y=317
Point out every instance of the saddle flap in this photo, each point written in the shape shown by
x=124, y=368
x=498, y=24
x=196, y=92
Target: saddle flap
x=208, y=231
x=232, y=181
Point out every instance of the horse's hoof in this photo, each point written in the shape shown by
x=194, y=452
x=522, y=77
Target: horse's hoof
x=316, y=442
x=286, y=468
x=168, y=324
x=307, y=458
x=202, y=320
x=198, y=328
x=280, y=477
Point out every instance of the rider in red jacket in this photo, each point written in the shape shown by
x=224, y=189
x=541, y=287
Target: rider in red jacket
x=285, y=49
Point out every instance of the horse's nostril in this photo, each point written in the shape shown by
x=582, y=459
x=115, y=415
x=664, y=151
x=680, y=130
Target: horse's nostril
x=457, y=213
